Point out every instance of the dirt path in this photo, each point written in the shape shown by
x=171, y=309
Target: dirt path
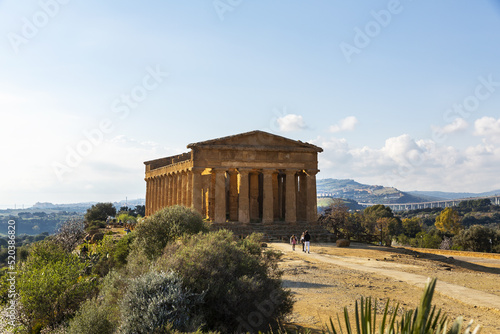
x=330, y=278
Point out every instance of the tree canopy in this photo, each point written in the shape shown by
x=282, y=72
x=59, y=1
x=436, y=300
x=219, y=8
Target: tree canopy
x=448, y=221
x=100, y=212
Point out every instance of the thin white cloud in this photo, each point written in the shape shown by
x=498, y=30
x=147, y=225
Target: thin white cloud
x=458, y=124
x=346, y=124
x=291, y=122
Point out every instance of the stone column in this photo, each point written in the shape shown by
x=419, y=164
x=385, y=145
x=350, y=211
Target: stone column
x=162, y=192
x=148, y=196
x=281, y=195
x=158, y=193
x=276, y=203
x=254, y=195
x=211, y=197
x=173, y=187
x=189, y=188
x=178, y=188
x=155, y=195
x=267, y=196
x=196, y=189
x=290, y=196
x=183, y=194
x=220, y=196
x=170, y=190
x=233, y=195
x=165, y=190
x=302, y=199
x=243, y=196
x=312, y=201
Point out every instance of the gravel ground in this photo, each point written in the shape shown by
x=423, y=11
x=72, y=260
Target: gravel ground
x=330, y=278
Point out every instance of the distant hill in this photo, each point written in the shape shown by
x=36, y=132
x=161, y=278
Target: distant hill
x=363, y=193
x=441, y=195
x=83, y=206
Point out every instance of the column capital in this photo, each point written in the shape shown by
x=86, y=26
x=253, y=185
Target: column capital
x=197, y=170
x=311, y=172
x=291, y=171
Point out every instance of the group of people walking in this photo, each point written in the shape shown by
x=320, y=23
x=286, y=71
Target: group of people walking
x=305, y=240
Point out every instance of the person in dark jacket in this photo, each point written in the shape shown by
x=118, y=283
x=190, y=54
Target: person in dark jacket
x=307, y=240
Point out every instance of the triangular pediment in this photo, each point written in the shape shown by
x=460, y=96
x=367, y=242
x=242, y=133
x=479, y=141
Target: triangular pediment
x=258, y=140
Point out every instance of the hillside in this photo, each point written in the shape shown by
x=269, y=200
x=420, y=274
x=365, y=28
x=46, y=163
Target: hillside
x=441, y=195
x=83, y=206
x=47, y=217
x=363, y=193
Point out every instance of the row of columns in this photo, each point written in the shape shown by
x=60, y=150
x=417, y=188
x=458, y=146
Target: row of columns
x=175, y=188
x=241, y=194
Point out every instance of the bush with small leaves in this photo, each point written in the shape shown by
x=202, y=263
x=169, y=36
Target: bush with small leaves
x=153, y=234
x=477, y=238
x=100, y=212
x=157, y=301
x=52, y=284
x=242, y=284
x=91, y=318
x=122, y=249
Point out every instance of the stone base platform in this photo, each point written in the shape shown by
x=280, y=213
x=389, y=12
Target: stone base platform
x=277, y=231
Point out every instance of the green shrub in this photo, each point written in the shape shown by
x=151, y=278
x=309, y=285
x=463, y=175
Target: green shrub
x=156, y=302
x=94, y=225
x=52, y=284
x=122, y=249
x=166, y=225
x=91, y=318
x=100, y=212
x=113, y=288
x=430, y=239
x=101, y=256
x=241, y=283
x=477, y=239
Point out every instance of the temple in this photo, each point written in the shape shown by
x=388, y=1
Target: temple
x=253, y=177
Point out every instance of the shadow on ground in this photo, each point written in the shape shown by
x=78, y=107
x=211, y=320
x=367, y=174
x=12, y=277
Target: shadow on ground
x=296, y=284
x=442, y=259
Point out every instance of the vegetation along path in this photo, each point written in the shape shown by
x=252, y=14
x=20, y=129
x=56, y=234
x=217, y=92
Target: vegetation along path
x=330, y=278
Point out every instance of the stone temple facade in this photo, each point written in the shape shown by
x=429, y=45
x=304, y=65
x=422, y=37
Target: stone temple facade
x=254, y=181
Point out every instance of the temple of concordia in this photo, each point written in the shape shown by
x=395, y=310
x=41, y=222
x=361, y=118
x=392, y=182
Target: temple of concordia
x=249, y=182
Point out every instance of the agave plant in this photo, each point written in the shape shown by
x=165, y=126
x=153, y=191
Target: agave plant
x=425, y=319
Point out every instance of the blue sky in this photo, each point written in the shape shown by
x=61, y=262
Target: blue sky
x=398, y=93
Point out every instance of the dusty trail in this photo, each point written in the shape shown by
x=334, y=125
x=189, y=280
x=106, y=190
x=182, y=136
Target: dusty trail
x=463, y=294
x=329, y=278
